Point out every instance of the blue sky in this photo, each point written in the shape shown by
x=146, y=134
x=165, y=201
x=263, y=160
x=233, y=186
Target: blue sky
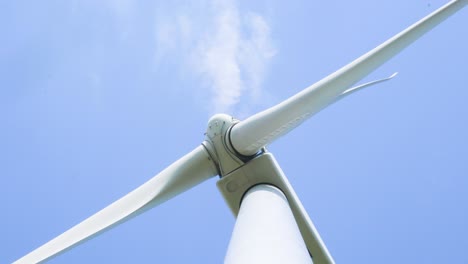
x=96, y=97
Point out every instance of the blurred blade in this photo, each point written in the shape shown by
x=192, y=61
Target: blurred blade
x=249, y=136
x=364, y=85
x=183, y=174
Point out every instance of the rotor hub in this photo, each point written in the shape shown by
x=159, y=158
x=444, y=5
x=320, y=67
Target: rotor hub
x=218, y=144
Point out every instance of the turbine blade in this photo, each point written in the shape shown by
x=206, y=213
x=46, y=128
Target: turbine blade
x=190, y=170
x=249, y=136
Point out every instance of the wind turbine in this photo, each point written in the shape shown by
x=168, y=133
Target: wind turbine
x=235, y=151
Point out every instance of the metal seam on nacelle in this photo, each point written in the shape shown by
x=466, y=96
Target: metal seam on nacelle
x=212, y=156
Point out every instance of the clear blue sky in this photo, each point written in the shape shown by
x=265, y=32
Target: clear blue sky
x=96, y=97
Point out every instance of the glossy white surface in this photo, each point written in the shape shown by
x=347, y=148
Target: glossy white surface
x=265, y=230
x=264, y=169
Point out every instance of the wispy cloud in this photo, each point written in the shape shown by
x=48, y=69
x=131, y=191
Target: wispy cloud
x=227, y=49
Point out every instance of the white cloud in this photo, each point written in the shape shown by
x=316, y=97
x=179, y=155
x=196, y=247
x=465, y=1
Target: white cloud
x=229, y=50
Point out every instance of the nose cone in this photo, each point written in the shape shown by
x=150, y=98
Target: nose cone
x=218, y=124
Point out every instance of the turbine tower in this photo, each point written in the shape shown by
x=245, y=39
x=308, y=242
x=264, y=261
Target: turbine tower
x=272, y=225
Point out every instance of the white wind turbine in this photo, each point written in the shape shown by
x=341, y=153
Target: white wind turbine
x=235, y=150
